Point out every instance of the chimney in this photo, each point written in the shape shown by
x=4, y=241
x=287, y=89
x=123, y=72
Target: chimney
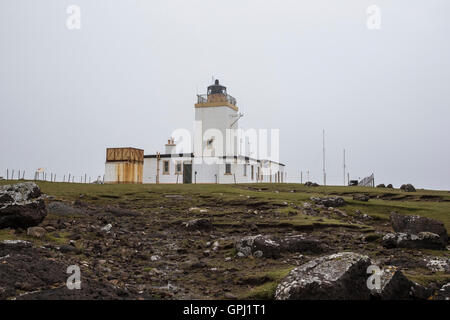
x=170, y=146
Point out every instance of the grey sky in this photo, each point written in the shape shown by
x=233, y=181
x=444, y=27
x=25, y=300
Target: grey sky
x=130, y=75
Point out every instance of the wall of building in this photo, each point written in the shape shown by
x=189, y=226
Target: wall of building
x=123, y=172
x=150, y=170
x=209, y=170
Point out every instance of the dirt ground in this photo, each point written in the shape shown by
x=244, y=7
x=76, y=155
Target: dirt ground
x=131, y=241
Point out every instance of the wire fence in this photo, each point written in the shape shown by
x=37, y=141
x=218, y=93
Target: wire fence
x=40, y=175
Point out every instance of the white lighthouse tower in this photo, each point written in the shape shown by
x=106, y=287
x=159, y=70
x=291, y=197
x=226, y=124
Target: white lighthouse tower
x=216, y=123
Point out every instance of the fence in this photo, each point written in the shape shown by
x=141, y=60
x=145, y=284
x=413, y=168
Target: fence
x=51, y=177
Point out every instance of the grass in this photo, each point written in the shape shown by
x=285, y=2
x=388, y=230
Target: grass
x=266, y=291
x=436, y=206
x=439, y=278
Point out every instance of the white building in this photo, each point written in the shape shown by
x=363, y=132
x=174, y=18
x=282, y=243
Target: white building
x=219, y=154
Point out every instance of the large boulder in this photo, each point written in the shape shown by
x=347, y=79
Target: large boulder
x=21, y=205
x=340, y=276
x=329, y=201
x=394, y=285
x=301, y=243
x=258, y=246
x=417, y=224
x=361, y=197
x=264, y=246
x=422, y=240
x=408, y=187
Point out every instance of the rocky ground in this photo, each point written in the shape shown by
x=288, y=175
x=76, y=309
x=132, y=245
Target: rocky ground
x=223, y=242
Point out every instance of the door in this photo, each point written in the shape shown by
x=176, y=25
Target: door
x=187, y=172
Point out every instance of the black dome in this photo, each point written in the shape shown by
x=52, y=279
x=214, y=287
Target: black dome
x=217, y=88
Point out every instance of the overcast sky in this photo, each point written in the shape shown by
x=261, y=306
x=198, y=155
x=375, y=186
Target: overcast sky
x=130, y=75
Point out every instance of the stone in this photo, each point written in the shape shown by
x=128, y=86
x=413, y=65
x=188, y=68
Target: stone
x=444, y=292
x=394, y=285
x=390, y=186
x=438, y=264
x=340, y=276
x=199, y=224
x=37, y=232
x=381, y=185
x=311, y=184
x=248, y=245
x=329, y=201
x=423, y=240
x=230, y=296
x=107, y=228
x=408, y=187
x=263, y=246
x=301, y=243
x=361, y=197
x=415, y=224
x=62, y=209
x=21, y=205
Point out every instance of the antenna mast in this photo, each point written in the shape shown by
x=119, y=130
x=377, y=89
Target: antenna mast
x=323, y=145
x=344, y=167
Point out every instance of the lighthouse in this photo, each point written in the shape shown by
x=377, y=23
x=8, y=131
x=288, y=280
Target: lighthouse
x=217, y=120
x=216, y=157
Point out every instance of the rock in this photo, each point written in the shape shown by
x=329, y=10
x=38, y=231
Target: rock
x=408, y=188
x=395, y=286
x=340, y=276
x=107, y=228
x=329, y=201
x=381, y=185
x=264, y=246
x=416, y=224
x=68, y=249
x=37, y=232
x=14, y=244
x=199, y=224
x=230, y=296
x=444, y=292
x=389, y=186
x=21, y=205
x=311, y=184
x=423, y=240
x=300, y=243
x=62, y=209
x=361, y=197
x=251, y=244
x=438, y=264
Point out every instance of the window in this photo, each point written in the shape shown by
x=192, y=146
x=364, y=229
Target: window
x=227, y=168
x=253, y=172
x=178, y=167
x=166, y=167
x=245, y=169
